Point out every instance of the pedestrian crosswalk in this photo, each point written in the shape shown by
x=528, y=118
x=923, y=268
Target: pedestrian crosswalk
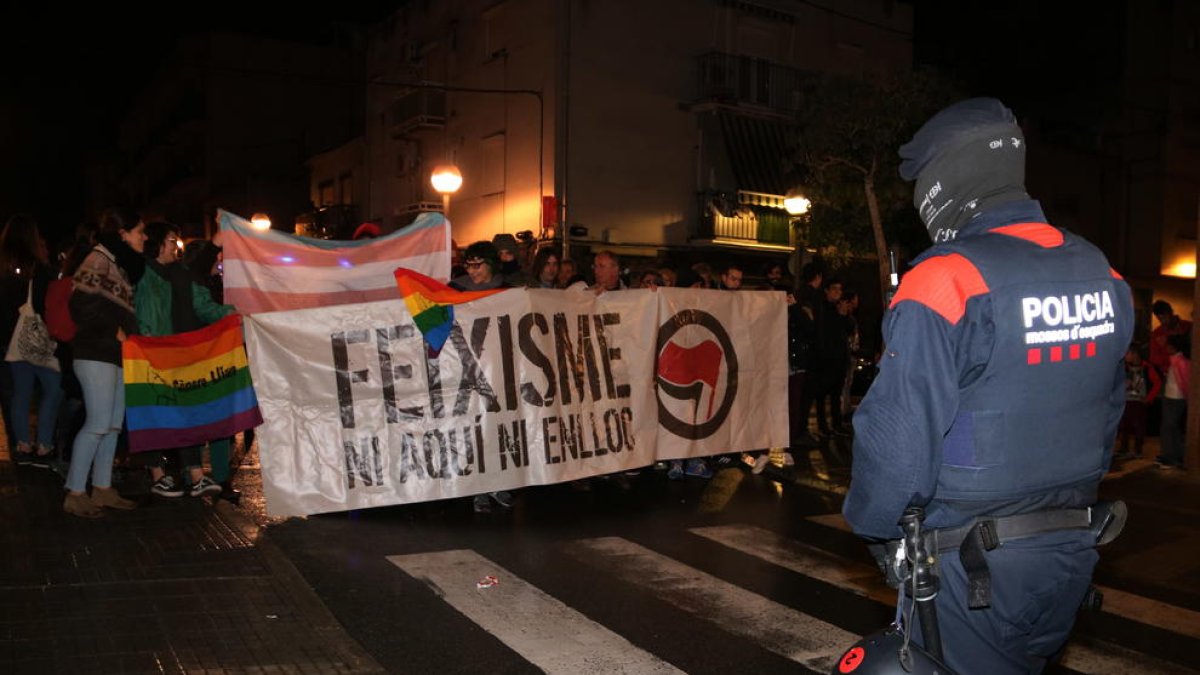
x=557, y=637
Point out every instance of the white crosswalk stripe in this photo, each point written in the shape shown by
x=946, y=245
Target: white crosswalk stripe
x=560, y=639
x=541, y=629
x=857, y=577
x=783, y=630
x=1120, y=603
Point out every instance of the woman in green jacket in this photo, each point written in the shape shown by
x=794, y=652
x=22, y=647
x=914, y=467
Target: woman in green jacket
x=168, y=302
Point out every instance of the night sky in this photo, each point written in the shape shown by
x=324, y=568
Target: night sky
x=69, y=76
x=67, y=84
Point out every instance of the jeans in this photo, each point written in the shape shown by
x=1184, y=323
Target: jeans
x=96, y=444
x=24, y=373
x=1174, y=426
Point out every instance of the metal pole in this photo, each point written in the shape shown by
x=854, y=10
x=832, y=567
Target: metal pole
x=1192, y=448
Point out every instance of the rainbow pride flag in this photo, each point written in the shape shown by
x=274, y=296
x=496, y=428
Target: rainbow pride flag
x=189, y=388
x=431, y=304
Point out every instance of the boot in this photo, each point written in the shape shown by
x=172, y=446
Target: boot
x=110, y=498
x=80, y=505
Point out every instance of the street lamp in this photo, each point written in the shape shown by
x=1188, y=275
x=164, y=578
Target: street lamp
x=446, y=180
x=260, y=221
x=796, y=204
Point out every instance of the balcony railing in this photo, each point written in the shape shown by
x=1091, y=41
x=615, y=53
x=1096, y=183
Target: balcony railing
x=734, y=79
x=748, y=217
x=420, y=109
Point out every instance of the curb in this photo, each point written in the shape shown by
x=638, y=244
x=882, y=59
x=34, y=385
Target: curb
x=308, y=604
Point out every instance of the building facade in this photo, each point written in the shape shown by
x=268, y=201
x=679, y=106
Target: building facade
x=647, y=126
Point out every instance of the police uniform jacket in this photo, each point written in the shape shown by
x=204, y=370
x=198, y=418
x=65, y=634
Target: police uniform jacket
x=1002, y=383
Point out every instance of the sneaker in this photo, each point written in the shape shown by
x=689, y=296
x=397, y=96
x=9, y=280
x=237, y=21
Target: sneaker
x=482, y=504
x=166, y=487
x=204, y=486
x=761, y=463
x=698, y=468
x=43, y=456
x=676, y=470
x=39, y=461
x=503, y=498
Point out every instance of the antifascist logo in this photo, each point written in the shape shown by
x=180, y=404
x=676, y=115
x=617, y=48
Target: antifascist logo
x=851, y=660
x=697, y=374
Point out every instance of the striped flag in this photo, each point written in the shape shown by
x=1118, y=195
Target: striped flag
x=189, y=388
x=270, y=271
x=431, y=304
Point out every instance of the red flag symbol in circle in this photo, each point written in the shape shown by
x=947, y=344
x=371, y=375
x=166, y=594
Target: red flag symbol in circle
x=686, y=366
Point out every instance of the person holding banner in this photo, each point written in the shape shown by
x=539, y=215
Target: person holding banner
x=483, y=263
x=102, y=308
x=168, y=301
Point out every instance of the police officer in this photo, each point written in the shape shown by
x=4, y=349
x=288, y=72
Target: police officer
x=998, y=397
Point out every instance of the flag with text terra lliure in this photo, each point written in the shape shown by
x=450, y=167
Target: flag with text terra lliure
x=189, y=388
x=431, y=304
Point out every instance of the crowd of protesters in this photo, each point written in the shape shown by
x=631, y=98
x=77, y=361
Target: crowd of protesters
x=823, y=334
x=62, y=322
x=63, y=319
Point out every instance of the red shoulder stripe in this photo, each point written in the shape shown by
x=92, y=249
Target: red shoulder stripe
x=943, y=284
x=1116, y=274
x=1039, y=233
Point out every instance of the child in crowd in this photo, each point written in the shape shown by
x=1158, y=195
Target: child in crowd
x=1142, y=385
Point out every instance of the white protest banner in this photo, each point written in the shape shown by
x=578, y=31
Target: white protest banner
x=721, y=371
x=533, y=387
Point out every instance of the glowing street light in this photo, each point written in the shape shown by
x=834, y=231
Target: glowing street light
x=446, y=180
x=796, y=204
x=260, y=221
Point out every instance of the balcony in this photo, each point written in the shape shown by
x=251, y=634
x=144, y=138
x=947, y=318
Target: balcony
x=423, y=109
x=731, y=79
x=752, y=219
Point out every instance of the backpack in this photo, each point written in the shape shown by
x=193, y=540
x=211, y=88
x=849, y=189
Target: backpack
x=58, y=311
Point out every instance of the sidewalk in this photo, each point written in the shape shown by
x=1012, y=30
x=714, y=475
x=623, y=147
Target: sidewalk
x=174, y=586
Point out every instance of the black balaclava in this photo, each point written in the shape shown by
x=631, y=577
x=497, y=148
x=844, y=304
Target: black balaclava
x=966, y=158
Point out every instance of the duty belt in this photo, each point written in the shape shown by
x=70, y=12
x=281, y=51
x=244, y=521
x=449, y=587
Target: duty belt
x=1105, y=519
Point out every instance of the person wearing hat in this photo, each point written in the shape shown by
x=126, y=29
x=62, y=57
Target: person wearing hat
x=482, y=263
x=508, y=252
x=997, y=399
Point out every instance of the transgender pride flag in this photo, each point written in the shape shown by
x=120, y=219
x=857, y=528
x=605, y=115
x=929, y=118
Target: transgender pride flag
x=271, y=271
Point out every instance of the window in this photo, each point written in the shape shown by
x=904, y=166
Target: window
x=346, y=188
x=325, y=193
